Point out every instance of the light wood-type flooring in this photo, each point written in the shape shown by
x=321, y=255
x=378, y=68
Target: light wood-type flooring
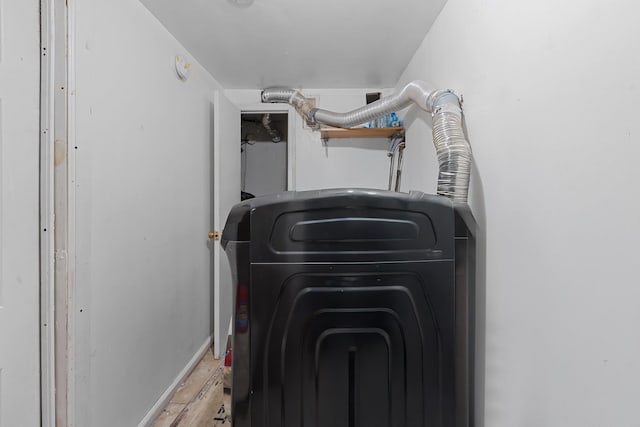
x=200, y=401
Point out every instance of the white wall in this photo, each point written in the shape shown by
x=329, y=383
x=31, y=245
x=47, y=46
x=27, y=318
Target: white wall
x=341, y=163
x=143, y=211
x=265, y=167
x=19, y=220
x=550, y=93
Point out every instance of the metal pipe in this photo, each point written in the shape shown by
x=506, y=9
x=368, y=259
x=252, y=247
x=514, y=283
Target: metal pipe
x=397, y=142
x=392, y=162
x=401, y=148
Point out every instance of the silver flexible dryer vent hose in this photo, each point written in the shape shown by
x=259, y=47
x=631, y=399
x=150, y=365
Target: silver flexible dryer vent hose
x=452, y=147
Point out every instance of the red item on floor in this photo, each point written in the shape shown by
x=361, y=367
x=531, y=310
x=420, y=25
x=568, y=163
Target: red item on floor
x=227, y=358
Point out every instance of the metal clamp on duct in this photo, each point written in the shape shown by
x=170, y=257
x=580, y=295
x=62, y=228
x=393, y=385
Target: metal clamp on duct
x=452, y=147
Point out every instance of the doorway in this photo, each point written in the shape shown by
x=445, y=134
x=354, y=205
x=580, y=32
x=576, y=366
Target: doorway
x=264, y=147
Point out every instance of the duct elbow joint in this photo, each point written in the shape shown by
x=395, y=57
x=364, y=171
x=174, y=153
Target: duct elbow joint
x=311, y=115
x=442, y=98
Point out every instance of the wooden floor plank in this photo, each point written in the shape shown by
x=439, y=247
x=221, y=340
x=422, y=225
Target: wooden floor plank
x=168, y=415
x=200, y=401
x=196, y=380
x=202, y=411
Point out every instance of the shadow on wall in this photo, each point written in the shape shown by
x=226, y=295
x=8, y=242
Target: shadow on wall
x=477, y=204
x=381, y=145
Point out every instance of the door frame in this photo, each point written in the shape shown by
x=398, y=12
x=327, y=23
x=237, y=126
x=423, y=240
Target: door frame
x=291, y=135
x=47, y=262
x=57, y=211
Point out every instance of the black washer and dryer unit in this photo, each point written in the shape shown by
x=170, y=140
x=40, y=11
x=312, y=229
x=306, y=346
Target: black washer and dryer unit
x=353, y=308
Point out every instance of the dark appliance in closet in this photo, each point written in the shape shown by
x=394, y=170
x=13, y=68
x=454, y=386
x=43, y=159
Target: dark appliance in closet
x=353, y=308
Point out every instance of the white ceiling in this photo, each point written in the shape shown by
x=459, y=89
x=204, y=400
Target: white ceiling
x=301, y=43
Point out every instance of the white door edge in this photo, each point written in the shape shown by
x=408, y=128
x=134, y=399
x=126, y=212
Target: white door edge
x=226, y=162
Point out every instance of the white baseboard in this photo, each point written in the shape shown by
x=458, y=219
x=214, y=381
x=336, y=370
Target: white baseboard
x=169, y=392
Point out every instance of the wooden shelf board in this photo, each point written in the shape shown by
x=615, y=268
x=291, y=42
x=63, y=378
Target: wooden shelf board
x=330, y=133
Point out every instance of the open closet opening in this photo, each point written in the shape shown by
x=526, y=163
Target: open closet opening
x=264, y=153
